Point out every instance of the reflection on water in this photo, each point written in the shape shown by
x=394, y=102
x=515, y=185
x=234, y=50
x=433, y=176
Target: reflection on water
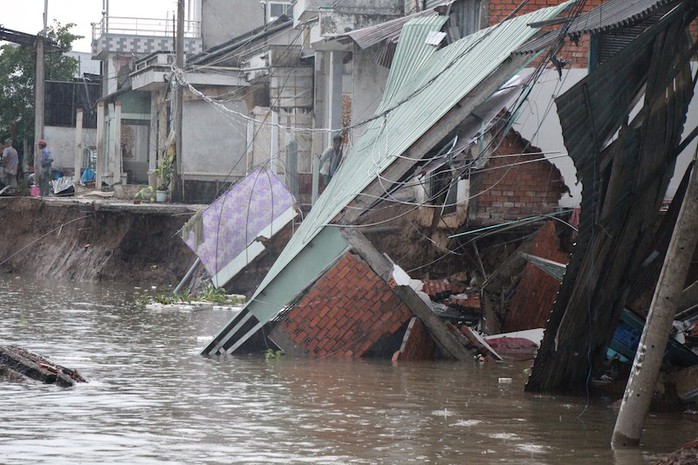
x=153, y=399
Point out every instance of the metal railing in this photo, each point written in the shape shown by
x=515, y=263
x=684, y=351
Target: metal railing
x=143, y=27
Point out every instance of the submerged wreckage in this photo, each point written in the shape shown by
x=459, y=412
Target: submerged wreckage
x=331, y=292
x=16, y=362
x=338, y=290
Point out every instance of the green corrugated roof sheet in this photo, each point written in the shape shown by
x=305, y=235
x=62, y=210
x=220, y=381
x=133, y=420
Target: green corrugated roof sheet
x=423, y=84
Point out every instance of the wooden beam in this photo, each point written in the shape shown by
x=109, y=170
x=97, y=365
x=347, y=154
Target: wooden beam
x=438, y=330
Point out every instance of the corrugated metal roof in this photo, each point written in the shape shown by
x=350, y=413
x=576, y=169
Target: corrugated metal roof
x=369, y=36
x=612, y=15
x=423, y=85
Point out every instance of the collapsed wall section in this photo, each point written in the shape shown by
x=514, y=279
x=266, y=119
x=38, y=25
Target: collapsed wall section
x=349, y=312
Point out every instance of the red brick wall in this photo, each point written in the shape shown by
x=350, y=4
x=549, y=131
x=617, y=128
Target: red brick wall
x=535, y=294
x=508, y=189
x=418, y=346
x=345, y=312
x=576, y=55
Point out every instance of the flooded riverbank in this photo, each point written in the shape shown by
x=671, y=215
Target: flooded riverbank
x=153, y=399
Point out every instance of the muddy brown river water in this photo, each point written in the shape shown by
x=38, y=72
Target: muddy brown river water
x=152, y=399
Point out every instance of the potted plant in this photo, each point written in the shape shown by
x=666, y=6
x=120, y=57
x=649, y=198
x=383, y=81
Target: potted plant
x=164, y=173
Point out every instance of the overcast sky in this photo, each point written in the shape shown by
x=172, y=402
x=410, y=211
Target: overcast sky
x=28, y=15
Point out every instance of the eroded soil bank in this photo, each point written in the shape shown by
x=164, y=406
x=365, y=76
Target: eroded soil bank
x=94, y=240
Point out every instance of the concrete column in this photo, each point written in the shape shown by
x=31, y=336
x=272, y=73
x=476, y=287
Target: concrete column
x=655, y=335
x=117, y=160
x=291, y=165
x=176, y=188
x=111, y=135
x=334, y=97
x=315, y=189
x=250, y=146
x=162, y=138
x=99, y=168
x=153, y=129
x=274, y=142
x=38, y=104
x=78, y=146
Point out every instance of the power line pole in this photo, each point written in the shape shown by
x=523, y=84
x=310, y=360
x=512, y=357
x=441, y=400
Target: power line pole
x=177, y=189
x=650, y=351
x=39, y=86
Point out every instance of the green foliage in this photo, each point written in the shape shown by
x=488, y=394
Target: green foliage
x=210, y=293
x=18, y=77
x=271, y=354
x=164, y=171
x=147, y=193
x=166, y=299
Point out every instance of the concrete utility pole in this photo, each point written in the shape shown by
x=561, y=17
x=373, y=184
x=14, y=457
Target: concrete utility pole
x=77, y=161
x=179, y=61
x=655, y=335
x=39, y=92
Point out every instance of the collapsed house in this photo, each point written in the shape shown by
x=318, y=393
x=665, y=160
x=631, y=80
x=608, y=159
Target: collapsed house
x=622, y=125
x=330, y=286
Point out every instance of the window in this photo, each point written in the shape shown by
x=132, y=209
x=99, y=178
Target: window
x=276, y=9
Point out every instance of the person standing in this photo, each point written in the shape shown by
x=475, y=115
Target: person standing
x=45, y=171
x=10, y=160
x=331, y=158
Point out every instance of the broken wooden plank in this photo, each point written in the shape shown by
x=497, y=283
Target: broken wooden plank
x=445, y=338
x=20, y=361
x=475, y=340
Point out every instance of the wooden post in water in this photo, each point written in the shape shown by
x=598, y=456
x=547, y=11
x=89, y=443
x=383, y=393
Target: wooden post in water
x=655, y=335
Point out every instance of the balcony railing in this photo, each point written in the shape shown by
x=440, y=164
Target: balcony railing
x=143, y=27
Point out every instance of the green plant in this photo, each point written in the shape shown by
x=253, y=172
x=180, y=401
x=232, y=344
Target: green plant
x=165, y=170
x=210, y=293
x=147, y=193
x=18, y=77
x=271, y=354
x=166, y=299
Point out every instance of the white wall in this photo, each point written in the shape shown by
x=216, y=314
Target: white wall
x=222, y=20
x=539, y=123
x=213, y=144
x=61, y=142
x=367, y=86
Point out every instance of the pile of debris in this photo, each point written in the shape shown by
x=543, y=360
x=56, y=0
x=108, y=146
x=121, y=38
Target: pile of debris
x=16, y=362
